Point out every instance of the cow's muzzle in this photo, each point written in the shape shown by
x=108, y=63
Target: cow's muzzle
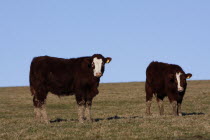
x=99, y=74
x=180, y=89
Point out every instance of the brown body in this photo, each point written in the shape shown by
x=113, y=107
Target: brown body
x=64, y=77
x=161, y=81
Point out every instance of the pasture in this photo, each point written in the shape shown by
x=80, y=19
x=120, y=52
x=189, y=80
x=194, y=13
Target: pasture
x=118, y=112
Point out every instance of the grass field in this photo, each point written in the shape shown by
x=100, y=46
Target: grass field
x=118, y=112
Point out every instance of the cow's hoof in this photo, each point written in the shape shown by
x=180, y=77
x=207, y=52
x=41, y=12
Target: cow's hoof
x=148, y=114
x=45, y=121
x=89, y=120
x=81, y=121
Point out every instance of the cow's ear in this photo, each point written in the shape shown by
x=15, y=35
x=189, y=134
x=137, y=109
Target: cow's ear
x=108, y=59
x=188, y=76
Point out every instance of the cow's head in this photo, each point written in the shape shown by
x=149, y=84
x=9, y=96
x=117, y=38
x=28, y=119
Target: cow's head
x=179, y=79
x=97, y=64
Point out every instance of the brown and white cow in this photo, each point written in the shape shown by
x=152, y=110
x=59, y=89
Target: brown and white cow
x=76, y=76
x=165, y=80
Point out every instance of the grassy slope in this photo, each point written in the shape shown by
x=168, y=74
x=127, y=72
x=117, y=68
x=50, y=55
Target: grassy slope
x=119, y=111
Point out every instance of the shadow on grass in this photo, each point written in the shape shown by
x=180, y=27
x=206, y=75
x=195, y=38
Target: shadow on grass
x=59, y=120
x=116, y=118
x=193, y=113
x=95, y=120
x=196, y=137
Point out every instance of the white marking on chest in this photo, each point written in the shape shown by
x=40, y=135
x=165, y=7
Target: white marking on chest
x=98, y=64
x=178, y=75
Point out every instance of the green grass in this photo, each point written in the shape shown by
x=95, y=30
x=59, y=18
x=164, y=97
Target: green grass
x=119, y=111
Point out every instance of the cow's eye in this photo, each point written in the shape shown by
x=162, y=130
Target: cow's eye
x=172, y=79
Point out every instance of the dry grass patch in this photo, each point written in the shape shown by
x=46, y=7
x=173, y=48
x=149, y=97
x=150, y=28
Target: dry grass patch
x=118, y=111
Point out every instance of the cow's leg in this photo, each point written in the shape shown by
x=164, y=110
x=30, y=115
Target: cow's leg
x=89, y=97
x=36, y=105
x=160, y=105
x=173, y=101
x=37, y=109
x=44, y=113
x=149, y=95
x=88, y=110
x=179, y=107
x=174, y=107
x=81, y=108
x=39, y=104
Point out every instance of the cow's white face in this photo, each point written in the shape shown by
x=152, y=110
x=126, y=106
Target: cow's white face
x=178, y=78
x=97, y=65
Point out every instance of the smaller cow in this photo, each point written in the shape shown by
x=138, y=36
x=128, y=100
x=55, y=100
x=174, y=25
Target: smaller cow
x=64, y=77
x=163, y=80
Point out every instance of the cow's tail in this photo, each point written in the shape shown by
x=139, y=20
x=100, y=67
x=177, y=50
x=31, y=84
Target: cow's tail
x=31, y=75
x=33, y=92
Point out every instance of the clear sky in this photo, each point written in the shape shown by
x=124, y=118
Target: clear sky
x=132, y=32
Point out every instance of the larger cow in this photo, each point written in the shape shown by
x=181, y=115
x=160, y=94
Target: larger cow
x=165, y=80
x=77, y=76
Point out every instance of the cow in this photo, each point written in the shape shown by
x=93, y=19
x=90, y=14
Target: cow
x=63, y=77
x=163, y=80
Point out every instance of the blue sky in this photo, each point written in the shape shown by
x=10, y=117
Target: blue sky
x=132, y=32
